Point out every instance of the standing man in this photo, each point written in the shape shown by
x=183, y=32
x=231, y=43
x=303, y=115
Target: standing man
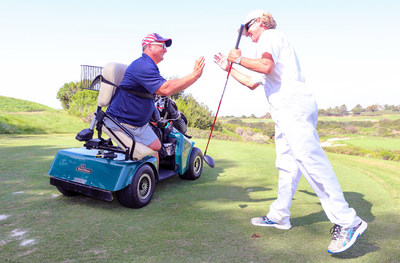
x=295, y=114
x=143, y=75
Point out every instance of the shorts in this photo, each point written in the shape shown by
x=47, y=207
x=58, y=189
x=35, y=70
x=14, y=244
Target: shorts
x=144, y=134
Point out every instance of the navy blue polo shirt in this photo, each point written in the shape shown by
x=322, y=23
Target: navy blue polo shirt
x=141, y=75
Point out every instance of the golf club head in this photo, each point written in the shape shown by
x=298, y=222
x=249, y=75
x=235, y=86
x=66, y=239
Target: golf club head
x=209, y=160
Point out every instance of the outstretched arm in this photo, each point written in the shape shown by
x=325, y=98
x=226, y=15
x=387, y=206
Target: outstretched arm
x=173, y=86
x=244, y=79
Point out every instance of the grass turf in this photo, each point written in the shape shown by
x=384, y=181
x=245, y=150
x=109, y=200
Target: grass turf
x=207, y=220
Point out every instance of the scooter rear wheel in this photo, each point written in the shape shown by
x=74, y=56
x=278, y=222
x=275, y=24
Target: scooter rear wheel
x=139, y=193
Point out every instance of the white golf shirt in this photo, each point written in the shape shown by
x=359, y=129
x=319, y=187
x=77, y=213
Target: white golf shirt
x=287, y=78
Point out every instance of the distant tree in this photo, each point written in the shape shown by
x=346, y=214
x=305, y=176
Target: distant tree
x=390, y=107
x=253, y=116
x=357, y=109
x=329, y=111
x=372, y=108
x=343, y=110
x=336, y=111
x=322, y=112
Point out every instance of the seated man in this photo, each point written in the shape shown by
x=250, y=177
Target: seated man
x=143, y=75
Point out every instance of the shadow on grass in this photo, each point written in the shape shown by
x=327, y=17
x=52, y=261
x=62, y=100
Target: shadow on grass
x=359, y=249
x=213, y=174
x=205, y=188
x=363, y=209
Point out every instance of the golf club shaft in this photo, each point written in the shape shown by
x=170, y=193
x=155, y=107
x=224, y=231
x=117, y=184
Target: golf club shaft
x=226, y=82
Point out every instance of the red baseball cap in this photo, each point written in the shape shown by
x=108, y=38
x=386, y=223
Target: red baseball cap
x=156, y=37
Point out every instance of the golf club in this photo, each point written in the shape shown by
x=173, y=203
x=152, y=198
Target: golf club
x=208, y=159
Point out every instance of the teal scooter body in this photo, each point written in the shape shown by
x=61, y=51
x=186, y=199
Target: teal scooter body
x=81, y=165
x=85, y=171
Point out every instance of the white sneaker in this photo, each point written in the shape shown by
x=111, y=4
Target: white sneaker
x=344, y=238
x=264, y=221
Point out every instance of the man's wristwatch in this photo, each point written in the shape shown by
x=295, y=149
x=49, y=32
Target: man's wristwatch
x=238, y=60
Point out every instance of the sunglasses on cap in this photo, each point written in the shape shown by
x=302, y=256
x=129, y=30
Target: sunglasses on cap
x=158, y=43
x=249, y=24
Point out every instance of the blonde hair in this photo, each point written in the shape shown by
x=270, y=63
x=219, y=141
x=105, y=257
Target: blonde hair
x=268, y=21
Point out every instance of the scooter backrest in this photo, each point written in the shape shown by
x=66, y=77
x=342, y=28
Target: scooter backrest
x=113, y=72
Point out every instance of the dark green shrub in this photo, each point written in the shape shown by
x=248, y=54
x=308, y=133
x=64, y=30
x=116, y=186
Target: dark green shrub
x=198, y=115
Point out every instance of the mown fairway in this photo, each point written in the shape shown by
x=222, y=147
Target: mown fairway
x=207, y=220
x=373, y=143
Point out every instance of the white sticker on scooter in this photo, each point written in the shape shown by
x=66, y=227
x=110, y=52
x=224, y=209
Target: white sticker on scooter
x=80, y=180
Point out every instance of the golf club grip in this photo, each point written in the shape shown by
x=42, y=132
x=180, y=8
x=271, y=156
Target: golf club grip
x=236, y=47
x=239, y=36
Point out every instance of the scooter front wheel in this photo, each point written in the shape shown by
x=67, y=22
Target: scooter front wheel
x=195, y=165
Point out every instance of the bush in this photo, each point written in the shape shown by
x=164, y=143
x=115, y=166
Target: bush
x=6, y=128
x=83, y=104
x=270, y=130
x=386, y=155
x=350, y=150
x=230, y=127
x=239, y=130
x=267, y=129
x=204, y=134
x=198, y=115
x=260, y=138
x=66, y=92
x=351, y=129
x=353, y=150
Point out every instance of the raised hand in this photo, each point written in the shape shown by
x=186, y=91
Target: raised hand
x=199, y=66
x=221, y=61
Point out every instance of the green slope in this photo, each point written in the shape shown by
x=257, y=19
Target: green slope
x=24, y=117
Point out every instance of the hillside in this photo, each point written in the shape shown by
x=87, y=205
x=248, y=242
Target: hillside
x=24, y=117
x=371, y=136
x=8, y=104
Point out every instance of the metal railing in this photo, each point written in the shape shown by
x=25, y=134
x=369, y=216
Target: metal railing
x=88, y=74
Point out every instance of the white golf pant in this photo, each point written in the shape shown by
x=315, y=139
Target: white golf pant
x=299, y=153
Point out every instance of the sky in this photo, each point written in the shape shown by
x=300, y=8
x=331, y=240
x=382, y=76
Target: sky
x=348, y=49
